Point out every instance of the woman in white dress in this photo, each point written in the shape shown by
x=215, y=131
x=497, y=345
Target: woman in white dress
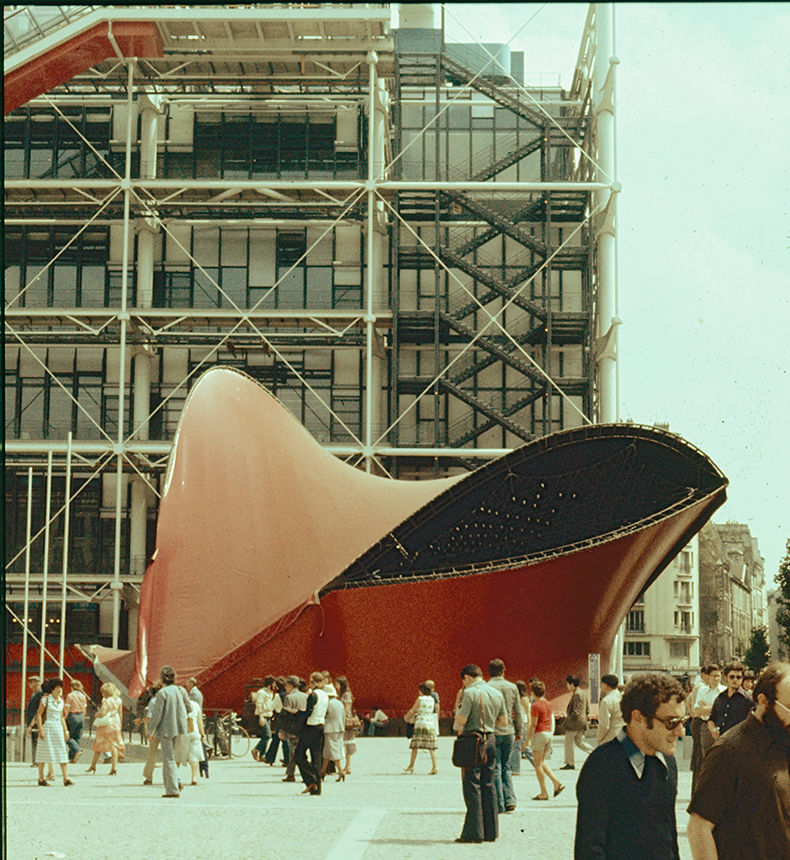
x=52, y=731
x=190, y=748
x=425, y=728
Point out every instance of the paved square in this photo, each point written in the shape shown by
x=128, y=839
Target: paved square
x=244, y=810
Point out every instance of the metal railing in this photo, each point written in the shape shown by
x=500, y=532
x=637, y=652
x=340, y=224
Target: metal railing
x=23, y=25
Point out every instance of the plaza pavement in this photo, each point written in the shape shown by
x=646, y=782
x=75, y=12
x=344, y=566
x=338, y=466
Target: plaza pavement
x=244, y=811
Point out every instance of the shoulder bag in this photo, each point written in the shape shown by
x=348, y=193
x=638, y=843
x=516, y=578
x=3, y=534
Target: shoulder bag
x=190, y=718
x=469, y=749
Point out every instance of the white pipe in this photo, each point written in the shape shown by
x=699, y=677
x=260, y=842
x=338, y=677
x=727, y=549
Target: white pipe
x=370, y=319
x=124, y=315
x=607, y=308
x=26, y=607
x=303, y=185
x=46, y=563
x=66, y=522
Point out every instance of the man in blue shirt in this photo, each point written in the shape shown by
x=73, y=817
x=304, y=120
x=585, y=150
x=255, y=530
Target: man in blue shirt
x=627, y=787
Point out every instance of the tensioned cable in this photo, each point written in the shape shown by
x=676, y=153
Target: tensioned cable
x=38, y=641
x=41, y=531
x=107, y=200
x=451, y=101
x=96, y=151
x=522, y=89
x=353, y=198
x=492, y=319
x=61, y=385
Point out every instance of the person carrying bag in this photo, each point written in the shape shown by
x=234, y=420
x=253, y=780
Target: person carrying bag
x=481, y=709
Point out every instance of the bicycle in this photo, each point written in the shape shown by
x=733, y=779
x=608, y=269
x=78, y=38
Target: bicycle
x=231, y=739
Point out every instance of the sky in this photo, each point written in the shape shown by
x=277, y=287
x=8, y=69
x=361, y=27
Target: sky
x=703, y=231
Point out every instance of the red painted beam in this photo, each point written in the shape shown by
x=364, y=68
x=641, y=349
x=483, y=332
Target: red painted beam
x=77, y=55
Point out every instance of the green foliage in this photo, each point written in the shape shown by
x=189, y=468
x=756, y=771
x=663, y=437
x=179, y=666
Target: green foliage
x=783, y=601
x=758, y=654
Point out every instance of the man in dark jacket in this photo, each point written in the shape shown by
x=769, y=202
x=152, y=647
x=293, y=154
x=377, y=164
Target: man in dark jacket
x=575, y=724
x=34, y=688
x=741, y=804
x=627, y=787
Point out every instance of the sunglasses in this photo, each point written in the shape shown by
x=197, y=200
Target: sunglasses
x=674, y=722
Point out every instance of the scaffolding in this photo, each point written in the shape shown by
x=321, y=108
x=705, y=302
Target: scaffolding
x=410, y=248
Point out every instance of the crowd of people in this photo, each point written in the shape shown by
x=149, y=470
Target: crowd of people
x=626, y=790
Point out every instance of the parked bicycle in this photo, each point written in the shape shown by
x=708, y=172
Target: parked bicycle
x=231, y=739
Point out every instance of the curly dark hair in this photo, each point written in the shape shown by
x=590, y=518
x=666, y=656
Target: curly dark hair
x=645, y=693
x=770, y=678
x=49, y=685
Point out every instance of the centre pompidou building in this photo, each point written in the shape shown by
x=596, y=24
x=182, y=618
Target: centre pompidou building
x=410, y=245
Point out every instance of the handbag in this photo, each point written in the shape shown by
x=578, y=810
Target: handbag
x=190, y=718
x=469, y=749
x=353, y=721
x=103, y=720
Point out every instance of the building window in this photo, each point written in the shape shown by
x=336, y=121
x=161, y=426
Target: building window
x=685, y=561
x=684, y=591
x=635, y=622
x=679, y=650
x=636, y=649
x=684, y=621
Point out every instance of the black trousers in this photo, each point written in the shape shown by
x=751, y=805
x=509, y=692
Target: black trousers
x=479, y=789
x=311, y=740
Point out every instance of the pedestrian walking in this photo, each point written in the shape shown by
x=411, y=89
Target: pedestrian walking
x=52, y=731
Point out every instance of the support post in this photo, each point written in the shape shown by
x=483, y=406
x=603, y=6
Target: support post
x=124, y=316
x=46, y=564
x=25, y=619
x=66, y=529
x=604, y=109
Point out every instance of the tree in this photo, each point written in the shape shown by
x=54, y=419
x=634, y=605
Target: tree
x=783, y=600
x=758, y=654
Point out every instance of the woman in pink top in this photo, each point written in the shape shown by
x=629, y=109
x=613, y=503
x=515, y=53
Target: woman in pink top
x=76, y=705
x=539, y=733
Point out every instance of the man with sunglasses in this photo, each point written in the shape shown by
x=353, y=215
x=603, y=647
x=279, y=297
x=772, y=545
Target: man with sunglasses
x=627, y=787
x=741, y=805
x=732, y=706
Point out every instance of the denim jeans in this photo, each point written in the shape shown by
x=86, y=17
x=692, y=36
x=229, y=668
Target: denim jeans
x=271, y=753
x=75, y=723
x=515, y=758
x=266, y=734
x=503, y=778
x=481, y=821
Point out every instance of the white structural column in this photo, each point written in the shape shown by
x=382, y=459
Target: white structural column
x=66, y=530
x=150, y=112
x=116, y=585
x=608, y=321
x=46, y=564
x=26, y=615
x=373, y=252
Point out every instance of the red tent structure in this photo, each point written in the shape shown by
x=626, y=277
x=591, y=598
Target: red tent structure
x=273, y=556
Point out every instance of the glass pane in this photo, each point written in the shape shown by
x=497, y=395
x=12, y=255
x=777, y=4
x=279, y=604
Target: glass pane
x=35, y=294
x=92, y=287
x=89, y=397
x=32, y=414
x=291, y=289
x=14, y=162
x=60, y=412
x=64, y=287
x=234, y=287
x=319, y=287
x=206, y=294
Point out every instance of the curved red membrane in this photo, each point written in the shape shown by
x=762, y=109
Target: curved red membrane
x=256, y=519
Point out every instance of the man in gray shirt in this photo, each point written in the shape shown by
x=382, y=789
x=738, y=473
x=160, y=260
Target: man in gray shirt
x=482, y=708
x=506, y=736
